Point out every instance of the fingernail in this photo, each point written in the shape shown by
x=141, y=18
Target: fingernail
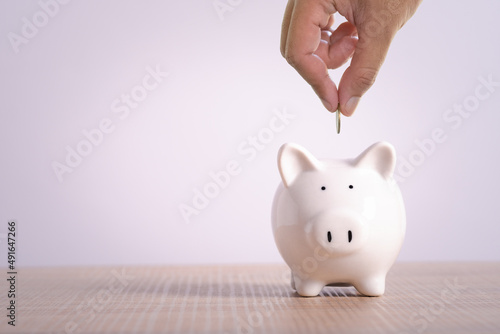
x=351, y=105
x=327, y=105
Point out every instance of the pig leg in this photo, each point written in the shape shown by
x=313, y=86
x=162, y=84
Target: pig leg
x=308, y=287
x=371, y=286
x=292, y=282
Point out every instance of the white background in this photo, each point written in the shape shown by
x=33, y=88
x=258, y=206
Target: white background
x=226, y=76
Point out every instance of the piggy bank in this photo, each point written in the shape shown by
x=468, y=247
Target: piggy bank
x=338, y=222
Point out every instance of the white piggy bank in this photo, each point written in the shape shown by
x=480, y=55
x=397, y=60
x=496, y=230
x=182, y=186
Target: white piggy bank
x=338, y=222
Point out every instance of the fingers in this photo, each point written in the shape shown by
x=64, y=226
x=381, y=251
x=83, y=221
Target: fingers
x=285, y=25
x=329, y=24
x=345, y=29
x=367, y=59
x=310, y=45
x=338, y=46
x=302, y=40
x=377, y=23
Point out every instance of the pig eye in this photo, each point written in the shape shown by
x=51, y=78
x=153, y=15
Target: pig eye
x=323, y=188
x=351, y=186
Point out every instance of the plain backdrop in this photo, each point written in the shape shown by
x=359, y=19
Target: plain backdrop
x=226, y=81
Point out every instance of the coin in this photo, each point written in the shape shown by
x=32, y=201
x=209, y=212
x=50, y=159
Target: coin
x=338, y=119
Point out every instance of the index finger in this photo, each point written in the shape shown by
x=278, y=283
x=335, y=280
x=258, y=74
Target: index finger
x=303, y=39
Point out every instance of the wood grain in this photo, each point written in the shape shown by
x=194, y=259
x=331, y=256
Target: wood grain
x=419, y=298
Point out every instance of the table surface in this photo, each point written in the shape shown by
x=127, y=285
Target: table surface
x=419, y=298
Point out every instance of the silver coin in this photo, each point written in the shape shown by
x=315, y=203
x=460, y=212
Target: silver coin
x=338, y=119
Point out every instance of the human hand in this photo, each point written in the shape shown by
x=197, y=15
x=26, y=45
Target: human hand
x=312, y=47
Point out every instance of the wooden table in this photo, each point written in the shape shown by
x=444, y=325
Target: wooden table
x=419, y=298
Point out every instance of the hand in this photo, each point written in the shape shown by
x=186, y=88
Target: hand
x=312, y=47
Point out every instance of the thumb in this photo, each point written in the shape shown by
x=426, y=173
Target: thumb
x=367, y=59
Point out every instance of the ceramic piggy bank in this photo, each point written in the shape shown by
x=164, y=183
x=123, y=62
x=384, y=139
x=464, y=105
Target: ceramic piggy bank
x=338, y=222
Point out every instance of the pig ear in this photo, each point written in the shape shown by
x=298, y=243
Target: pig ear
x=293, y=160
x=381, y=157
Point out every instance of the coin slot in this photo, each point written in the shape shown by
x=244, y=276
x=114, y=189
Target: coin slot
x=349, y=236
x=329, y=236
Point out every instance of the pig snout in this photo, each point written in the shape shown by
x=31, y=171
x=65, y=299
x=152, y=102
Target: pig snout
x=339, y=232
